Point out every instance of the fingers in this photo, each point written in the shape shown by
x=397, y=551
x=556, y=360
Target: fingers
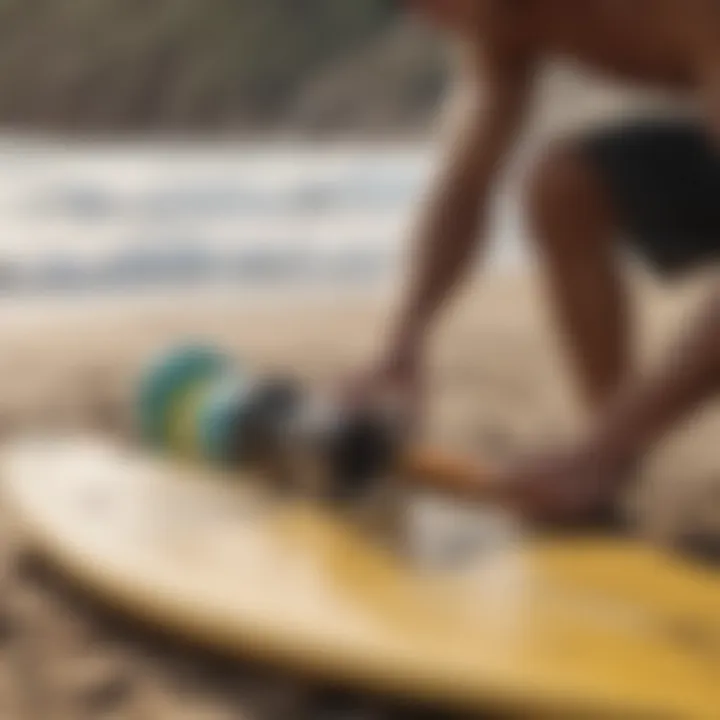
x=398, y=395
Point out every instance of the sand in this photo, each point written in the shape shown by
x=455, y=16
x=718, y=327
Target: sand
x=498, y=385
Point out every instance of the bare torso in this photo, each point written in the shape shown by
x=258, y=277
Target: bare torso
x=660, y=43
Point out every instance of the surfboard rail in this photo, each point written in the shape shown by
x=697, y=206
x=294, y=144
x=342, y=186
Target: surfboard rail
x=610, y=627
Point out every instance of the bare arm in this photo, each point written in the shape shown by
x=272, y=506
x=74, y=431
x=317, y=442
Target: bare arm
x=485, y=118
x=648, y=409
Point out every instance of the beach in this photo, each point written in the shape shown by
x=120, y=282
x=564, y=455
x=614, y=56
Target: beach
x=91, y=287
x=498, y=385
x=248, y=175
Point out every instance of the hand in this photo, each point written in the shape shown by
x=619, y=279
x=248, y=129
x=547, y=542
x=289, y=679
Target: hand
x=565, y=486
x=396, y=382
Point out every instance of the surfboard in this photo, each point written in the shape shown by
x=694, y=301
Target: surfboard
x=543, y=627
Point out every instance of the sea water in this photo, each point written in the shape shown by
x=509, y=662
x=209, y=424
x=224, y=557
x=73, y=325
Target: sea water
x=129, y=217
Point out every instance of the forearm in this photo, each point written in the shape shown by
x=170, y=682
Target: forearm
x=451, y=231
x=648, y=409
x=485, y=116
x=450, y=234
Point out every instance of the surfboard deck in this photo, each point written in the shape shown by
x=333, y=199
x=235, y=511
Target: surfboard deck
x=553, y=628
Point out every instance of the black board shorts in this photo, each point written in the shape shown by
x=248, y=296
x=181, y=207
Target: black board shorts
x=663, y=179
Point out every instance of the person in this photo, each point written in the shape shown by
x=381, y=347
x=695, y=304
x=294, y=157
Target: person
x=655, y=182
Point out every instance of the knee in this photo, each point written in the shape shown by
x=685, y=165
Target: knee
x=562, y=192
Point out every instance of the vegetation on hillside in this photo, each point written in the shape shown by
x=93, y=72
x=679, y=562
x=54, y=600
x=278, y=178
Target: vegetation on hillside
x=212, y=64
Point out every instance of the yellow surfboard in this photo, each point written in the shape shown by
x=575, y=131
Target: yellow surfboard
x=599, y=627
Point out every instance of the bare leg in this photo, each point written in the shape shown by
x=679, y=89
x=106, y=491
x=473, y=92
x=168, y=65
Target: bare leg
x=573, y=226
